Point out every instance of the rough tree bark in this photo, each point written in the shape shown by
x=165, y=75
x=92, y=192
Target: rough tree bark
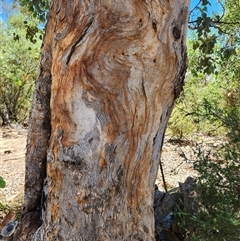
x=110, y=72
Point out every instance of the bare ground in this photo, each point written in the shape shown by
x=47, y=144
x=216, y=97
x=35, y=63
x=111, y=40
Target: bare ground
x=12, y=166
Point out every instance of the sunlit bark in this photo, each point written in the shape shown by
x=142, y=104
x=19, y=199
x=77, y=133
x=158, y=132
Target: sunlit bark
x=115, y=69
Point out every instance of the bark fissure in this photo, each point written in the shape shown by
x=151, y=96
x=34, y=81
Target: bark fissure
x=79, y=40
x=143, y=88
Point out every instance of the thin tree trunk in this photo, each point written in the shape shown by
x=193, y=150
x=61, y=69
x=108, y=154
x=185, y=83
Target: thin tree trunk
x=116, y=69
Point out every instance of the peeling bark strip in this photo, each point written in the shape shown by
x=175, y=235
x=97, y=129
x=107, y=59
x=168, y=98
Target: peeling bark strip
x=116, y=69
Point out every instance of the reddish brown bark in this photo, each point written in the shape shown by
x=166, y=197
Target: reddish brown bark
x=116, y=68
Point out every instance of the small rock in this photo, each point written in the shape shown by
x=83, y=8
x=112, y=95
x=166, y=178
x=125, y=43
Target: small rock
x=9, y=229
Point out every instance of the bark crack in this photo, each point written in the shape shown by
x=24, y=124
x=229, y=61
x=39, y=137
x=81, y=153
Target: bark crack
x=78, y=41
x=144, y=90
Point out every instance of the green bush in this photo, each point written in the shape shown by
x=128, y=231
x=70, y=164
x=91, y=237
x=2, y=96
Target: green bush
x=18, y=66
x=190, y=114
x=218, y=214
x=211, y=105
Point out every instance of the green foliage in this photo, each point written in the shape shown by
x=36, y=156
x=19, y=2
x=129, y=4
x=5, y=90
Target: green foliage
x=18, y=66
x=214, y=34
x=38, y=10
x=37, y=7
x=218, y=88
x=191, y=113
x=15, y=207
x=218, y=214
x=210, y=105
x=213, y=73
x=2, y=182
x=219, y=179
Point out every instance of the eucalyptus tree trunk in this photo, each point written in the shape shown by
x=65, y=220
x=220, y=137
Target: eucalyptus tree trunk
x=110, y=72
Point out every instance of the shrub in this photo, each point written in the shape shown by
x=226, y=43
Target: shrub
x=218, y=214
x=18, y=66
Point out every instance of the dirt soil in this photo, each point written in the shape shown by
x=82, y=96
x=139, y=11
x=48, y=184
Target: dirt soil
x=12, y=166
